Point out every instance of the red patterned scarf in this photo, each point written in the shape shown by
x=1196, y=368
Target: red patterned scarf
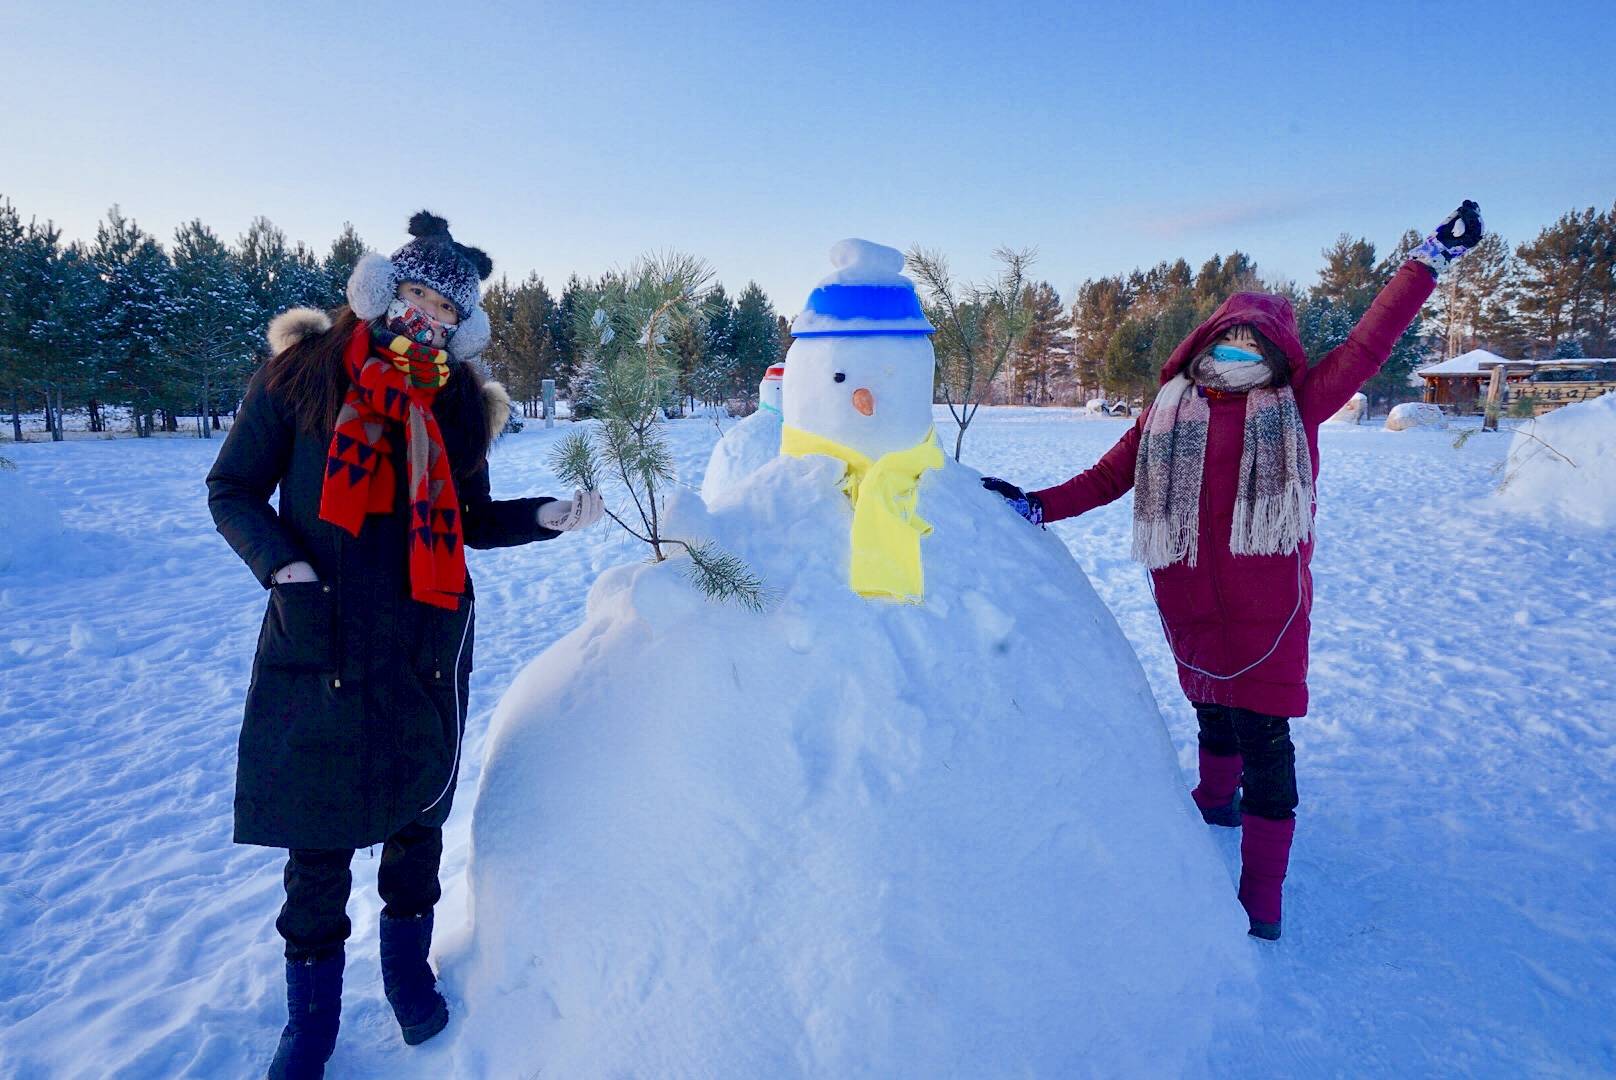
x=392, y=378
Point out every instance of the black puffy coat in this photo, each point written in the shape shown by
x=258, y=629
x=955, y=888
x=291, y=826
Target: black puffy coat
x=357, y=705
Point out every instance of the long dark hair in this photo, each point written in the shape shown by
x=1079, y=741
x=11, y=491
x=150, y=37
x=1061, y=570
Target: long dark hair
x=312, y=378
x=1279, y=365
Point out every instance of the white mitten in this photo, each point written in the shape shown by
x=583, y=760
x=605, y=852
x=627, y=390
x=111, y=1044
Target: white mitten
x=568, y=515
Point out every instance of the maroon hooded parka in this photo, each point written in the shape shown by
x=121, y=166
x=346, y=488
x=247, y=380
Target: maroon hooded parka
x=1224, y=615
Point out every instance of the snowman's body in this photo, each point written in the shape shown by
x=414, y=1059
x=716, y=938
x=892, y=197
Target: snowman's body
x=842, y=838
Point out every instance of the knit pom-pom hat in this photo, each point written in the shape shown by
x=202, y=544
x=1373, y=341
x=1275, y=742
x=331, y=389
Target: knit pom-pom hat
x=434, y=259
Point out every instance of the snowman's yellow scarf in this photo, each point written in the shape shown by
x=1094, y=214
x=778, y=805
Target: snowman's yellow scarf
x=886, y=528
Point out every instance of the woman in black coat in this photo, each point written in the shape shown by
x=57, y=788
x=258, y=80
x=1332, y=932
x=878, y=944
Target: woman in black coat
x=376, y=429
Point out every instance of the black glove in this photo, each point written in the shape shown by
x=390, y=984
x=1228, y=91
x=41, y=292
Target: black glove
x=1024, y=503
x=1459, y=232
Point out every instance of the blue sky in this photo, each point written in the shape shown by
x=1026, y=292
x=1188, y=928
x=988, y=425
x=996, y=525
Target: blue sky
x=575, y=136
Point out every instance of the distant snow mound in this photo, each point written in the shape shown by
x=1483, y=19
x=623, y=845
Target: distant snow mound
x=33, y=528
x=1353, y=412
x=1565, y=462
x=1415, y=414
x=746, y=447
x=843, y=838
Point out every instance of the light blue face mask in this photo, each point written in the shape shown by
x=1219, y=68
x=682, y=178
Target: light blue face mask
x=1234, y=355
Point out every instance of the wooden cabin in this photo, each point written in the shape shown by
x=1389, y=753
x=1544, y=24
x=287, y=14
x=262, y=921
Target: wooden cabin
x=1459, y=385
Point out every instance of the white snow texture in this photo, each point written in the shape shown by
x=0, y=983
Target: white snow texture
x=746, y=447
x=1415, y=414
x=844, y=837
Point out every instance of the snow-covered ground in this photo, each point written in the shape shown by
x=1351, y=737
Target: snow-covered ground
x=1451, y=908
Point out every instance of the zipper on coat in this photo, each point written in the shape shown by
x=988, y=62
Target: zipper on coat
x=460, y=726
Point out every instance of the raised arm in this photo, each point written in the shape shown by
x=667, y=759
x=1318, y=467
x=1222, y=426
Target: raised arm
x=1347, y=367
x=1354, y=362
x=1106, y=481
x=250, y=465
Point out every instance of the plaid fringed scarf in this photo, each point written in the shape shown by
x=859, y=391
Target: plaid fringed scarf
x=392, y=378
x=1273, y=507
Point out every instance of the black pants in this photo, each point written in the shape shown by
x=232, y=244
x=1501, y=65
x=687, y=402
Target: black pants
x=1268, y=777
x=314, y=919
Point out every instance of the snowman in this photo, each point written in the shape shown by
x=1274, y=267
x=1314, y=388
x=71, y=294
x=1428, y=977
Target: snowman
x=858, y=388
x=748, y=445
x=840, y=837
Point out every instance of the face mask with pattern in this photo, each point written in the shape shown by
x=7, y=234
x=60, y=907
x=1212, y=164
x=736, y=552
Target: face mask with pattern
x=409, y=321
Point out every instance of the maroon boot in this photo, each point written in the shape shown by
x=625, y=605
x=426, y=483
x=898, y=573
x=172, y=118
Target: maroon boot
x=1265, y=853
x=1218, y=794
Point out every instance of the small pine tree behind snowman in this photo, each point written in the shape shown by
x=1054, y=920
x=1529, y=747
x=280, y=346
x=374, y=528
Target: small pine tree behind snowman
x=624, y=328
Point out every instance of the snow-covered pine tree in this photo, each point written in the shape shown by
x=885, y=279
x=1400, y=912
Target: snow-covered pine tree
x=625, y=342
x=346, y=251
x=212, y=330
x=132, y=314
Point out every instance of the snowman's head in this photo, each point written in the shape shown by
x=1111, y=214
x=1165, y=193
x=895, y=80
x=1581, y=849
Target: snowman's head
x=860, y=368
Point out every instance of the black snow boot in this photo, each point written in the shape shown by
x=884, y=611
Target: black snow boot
x=412, y=990
x=313, y=1010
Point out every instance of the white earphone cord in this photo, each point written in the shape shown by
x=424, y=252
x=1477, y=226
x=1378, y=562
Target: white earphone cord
x=1168, y=634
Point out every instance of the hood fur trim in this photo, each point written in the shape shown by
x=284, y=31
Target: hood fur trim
x=295, y=325
x=496, y=408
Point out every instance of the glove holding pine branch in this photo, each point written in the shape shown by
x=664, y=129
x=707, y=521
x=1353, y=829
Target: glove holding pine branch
x=624, y=324
x=1459, y=232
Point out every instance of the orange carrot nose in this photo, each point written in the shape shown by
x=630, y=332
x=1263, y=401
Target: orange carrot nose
x=864, y=401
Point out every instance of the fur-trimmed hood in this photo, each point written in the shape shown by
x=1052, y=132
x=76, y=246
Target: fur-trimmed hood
x=298, y=324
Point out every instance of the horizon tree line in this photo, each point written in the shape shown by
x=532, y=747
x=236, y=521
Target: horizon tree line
x=177, y=331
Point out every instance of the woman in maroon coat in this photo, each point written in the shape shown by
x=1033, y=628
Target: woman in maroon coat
x=1223, y=465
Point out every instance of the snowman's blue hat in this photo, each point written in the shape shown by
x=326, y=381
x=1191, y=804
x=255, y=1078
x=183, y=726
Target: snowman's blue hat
x=867, y=294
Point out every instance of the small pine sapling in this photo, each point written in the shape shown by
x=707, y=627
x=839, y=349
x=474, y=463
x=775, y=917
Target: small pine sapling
x=624, y=328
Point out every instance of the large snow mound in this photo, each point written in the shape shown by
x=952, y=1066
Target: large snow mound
x=746, y=447
x=842, y=838
x=1565, y=462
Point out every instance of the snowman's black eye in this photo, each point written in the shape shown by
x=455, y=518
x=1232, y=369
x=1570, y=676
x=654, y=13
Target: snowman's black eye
x=841, y=376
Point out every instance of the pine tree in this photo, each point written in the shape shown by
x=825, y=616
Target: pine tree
x=1473, y=305
x=755, y=341
x=533, y=347
x=346, y=251
x=627, y=342
x=1098, y=310
x=1560, y=279
x=211, y=331
x=132, y=316
x=1042, y=355
x=13, y=318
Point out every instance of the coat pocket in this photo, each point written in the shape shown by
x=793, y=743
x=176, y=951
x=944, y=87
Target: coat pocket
x=300, y=628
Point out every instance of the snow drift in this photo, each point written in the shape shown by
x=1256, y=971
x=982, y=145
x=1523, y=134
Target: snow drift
x=1565, y=462
x=842, y=838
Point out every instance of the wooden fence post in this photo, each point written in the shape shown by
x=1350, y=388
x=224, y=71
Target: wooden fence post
x=1489, y=419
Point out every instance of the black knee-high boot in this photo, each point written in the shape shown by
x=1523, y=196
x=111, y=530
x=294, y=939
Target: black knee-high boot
x=407, y=978
x=313, y=1011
